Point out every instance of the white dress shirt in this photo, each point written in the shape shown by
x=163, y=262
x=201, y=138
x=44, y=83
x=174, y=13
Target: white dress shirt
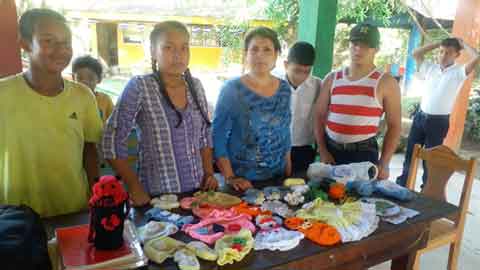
x=302, y=106
x=441, y=87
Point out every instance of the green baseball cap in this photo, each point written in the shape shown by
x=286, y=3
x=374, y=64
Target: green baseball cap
x=366, y=33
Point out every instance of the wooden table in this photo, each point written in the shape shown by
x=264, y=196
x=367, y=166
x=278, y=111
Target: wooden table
x=389, y=242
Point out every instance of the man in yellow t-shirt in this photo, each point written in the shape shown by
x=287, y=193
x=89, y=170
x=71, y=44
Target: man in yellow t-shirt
x=48, y=126
x=89, y=71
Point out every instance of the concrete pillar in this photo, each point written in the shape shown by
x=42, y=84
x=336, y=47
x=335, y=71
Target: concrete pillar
x=467, y=27
x=10, y=61
x=414, y=40
x=317, y=25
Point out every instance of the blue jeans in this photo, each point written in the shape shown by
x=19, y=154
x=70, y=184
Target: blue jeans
x=427, y=130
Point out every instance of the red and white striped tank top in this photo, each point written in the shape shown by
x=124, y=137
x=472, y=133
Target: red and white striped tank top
x=354, y=112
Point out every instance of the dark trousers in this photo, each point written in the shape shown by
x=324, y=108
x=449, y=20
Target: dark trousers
x=427, y=130
x=353, y=152
x=302, y=156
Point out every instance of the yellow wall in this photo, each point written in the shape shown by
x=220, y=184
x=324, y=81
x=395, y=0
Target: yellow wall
x=93, y=39
x=255, y=23
x=129, y=53
x=200, y=57
x=134, y=54
x=205, y=57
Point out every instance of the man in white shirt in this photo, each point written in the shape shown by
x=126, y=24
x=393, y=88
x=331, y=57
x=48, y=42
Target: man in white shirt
x=443, y=81
x=305, y=89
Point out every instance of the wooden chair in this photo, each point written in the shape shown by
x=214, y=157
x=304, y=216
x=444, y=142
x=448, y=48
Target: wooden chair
x=441, y=163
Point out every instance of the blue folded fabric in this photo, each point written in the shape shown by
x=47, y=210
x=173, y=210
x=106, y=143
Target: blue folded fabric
x=158, y=214
x=393, y=190
x=384, y=187
x=184, y=221
x=274, y=192
x=363, y=188
x=254, y=196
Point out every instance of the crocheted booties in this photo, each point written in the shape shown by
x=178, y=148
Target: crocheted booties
x=252, y=211
x=228, y=219
x=158, y=214
x=277, y=207
x=159, y=249
x=293, y=182
x=186, y=259
x=217, y=199
x=273, y=237
x=166, y=202
x=234, y=247
x=254, y=196
x=154, y=229
x=317, y=232
x=274, y=193
x=202, y=251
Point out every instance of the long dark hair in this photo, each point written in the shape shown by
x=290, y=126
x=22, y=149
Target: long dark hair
x=157, y=31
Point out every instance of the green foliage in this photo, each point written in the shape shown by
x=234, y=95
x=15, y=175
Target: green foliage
x=359, y=10
x=284, y=14
x=231, y=39
x=472, y=123
x=409, y=106
x=340, y=45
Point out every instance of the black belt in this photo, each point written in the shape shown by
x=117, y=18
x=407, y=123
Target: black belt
x=366, y=145
x=434, y=116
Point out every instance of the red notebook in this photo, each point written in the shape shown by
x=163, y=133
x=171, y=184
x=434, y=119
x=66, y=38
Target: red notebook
x=78, y=253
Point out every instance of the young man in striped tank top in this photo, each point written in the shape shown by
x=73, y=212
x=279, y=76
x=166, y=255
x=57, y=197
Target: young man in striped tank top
x=351, y=104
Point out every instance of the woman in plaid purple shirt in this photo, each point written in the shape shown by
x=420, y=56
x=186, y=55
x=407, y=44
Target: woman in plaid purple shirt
x=169, y=110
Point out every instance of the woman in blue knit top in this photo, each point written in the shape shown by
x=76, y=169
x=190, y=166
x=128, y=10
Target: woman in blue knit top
x=251, y=126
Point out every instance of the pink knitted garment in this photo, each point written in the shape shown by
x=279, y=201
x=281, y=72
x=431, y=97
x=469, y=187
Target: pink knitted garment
x=229, y=219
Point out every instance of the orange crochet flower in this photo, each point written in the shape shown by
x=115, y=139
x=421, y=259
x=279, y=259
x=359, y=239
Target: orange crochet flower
x=253, y=211
x=293, y=223
x=337, y=191
x=320, y=233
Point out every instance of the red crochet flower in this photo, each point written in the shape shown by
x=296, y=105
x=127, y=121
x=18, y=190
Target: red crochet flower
x=238, y=247
x=108, y=190
x=111, y=222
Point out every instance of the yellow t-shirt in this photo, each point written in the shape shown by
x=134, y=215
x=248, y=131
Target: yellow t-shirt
x=41, y=146
x=105, y=105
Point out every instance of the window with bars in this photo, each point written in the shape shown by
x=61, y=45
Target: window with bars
x=203, y=35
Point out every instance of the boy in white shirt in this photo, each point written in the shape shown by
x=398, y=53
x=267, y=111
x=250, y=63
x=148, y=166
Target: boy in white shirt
x=305, y=88
x=443, y=81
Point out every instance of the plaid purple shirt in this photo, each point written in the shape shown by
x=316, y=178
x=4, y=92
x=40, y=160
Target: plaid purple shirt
x=169, y=157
